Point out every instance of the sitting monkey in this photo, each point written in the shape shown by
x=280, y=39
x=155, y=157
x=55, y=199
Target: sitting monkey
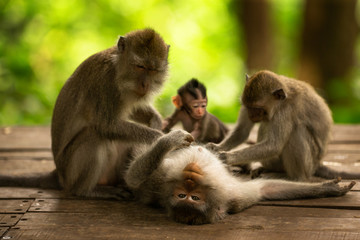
x=186, y=181
x=295, y=124
x=102, y=111
x=190, y=104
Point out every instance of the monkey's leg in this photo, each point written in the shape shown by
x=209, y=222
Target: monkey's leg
x=282, y=190
x=298, y=157
x=143, y=166
x=86, y=163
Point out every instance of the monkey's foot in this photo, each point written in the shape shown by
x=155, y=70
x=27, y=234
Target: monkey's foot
x=334, y=189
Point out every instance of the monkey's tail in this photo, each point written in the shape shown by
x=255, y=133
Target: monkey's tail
x=39, y=180
x=328, y=173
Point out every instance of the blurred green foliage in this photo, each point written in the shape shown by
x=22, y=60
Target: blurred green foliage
x=42, y=42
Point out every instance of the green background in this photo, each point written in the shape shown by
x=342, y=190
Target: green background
x=42, y=42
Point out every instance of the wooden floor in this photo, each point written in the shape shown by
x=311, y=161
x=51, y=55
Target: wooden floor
x=47, y=214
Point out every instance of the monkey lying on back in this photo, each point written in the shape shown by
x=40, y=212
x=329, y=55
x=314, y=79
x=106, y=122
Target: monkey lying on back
x=190, y=103
x=196, y=187
x=102, y=111
x=295, y=124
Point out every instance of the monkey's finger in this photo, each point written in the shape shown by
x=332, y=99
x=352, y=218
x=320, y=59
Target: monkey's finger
x=189, y=138
x=352, y=183
x=337, y=180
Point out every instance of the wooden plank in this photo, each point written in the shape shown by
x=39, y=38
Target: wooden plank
x=23, y=167
x=346, y=133
x=25, y=138
x=26, y=155
x=84, y=205
x=3, y=231
x=14, y=192
x=95, y=232
x=8, y=220
x=343, y=158
x=344, y=147
x=283, y=211
x=350, y=201
x=14, y=205
x=127, y=225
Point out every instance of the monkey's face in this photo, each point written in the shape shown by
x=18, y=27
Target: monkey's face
x=143, y=62
x=190, y=189
x=256, y=114
x=197, y=107
x=189, y=197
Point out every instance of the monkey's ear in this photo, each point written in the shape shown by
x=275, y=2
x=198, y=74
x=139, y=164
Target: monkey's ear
x=121, y=43
x=279, y=94
x=247, y=77
x=176, y=100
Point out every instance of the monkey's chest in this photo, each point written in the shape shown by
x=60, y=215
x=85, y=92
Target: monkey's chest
x=190, y=124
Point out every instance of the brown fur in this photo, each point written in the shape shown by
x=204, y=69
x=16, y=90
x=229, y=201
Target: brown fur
x=91, y=131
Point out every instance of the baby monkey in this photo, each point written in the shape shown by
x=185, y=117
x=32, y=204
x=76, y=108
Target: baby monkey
x=191, y=102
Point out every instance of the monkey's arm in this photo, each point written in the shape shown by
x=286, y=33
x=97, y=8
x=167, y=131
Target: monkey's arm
x=171, y=121
x=127, y=131
x=148, y=116
x=269, y=147
x=240, y=133
x=284, y=190
x=143, y=166
x=196, y=133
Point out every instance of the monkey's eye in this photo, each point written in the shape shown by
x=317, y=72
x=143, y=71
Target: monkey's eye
x=181, y=195
x=140, y=66
x=195, y=105
x=195, y=198
x=203, y=105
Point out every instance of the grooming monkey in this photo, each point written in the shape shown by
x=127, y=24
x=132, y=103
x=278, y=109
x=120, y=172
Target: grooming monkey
x=295, y=124
x=196, y=187
x=190, y=103
x=102, y=111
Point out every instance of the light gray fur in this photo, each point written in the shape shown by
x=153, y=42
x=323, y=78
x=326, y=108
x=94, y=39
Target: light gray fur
x=153, y=174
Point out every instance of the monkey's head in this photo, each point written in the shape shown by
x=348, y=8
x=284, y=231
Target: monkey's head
x=192, y=98
x=192, y=202
x=262, y=93
x=142, y=61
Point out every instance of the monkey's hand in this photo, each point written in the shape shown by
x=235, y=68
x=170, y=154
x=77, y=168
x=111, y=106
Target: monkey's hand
x=213, y=147
x=179, y=139
x=334, y=189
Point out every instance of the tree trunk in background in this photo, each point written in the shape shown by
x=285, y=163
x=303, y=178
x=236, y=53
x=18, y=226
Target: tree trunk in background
x=328, y=40
x=254, y=16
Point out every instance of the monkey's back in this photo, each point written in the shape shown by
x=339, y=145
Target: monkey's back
x=311, y=111
x=74, y=104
